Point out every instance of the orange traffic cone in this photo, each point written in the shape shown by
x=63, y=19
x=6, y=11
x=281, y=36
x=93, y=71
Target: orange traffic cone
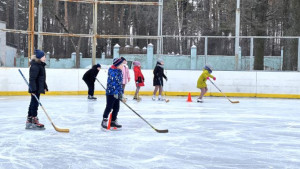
x=109, y=121
x=189, y=98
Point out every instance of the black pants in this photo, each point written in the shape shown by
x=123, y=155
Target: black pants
x=91, y=87
x=111, y=103
x=33, y=106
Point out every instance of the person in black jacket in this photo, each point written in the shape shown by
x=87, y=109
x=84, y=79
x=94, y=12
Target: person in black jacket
x=89, y=78
x=37, y=83
x=158, y=78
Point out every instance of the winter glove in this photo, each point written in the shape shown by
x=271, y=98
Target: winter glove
x=116, y=96
x=120, y=96
x=215, y=78
x=166, y=79
x=139, y=80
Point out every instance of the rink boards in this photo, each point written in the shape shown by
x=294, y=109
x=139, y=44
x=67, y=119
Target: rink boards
x=180, y=83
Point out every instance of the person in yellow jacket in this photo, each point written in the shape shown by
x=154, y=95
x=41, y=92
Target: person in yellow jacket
x=201, y=83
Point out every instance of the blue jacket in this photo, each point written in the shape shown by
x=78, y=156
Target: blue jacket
x=114, y=81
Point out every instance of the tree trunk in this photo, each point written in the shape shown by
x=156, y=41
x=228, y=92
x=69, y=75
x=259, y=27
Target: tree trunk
x=79, y=40
x=78, y=53
x=261, y=9
x=16, y=25
x=179, y=23
x=291, y=28
x=67, y=49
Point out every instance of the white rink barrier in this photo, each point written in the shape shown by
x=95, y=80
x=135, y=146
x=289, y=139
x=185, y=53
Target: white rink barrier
x=180, y=82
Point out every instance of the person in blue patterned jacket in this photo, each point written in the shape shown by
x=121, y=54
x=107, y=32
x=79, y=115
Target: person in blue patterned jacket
x=114, y=93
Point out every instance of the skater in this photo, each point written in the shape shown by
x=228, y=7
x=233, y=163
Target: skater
x=37, y=83
x=114, y=93
x=126, y=75
x=139, y=79
x=158, y=79
x=201, y=83
x=89, y=78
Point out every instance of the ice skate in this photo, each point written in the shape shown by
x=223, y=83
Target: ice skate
x=160, y=98
x=153, y=98
x=115, y=126
x=92, y=97
x=137, y=98
x=199, y=100
x=104, y=123
x=33, y=123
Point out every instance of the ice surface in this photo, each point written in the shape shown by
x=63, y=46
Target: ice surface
x=256, y=133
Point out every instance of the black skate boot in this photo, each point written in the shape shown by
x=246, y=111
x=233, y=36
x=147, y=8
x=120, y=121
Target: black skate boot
x=104, y=123
x=92, y=97
x=114, y=124
x=33, y=123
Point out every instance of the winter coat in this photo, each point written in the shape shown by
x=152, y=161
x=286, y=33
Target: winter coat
x=138, y=76
x=37, y=76
x=158, y=76
x=201, y=83
x=90, y=76
x=126, y=75
x=114, y=81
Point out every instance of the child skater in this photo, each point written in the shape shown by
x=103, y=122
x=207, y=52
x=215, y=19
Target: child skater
x=139, y=79
x=126, y=75
x=114, y=93
x=89, y=78
x=37, y=83
x=201, y=84
x=158, y=79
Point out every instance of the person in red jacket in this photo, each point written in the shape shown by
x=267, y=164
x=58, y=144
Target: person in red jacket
x=139, y=79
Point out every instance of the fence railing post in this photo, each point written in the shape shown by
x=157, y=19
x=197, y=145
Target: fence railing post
x=205, y=50
x=193, y=57
x=149, y=56
x=116, y=51
x=251, y=54
x=240, y=59
x=281, y=58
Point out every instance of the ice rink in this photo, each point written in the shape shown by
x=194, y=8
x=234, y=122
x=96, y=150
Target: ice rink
x=254, y=134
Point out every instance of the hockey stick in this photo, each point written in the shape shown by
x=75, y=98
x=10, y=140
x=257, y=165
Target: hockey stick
x=56, y=128
x=222, y=92
x=157, y=130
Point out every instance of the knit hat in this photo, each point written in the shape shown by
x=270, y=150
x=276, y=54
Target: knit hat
x=117, y=61
x=136, y=63
x=208, y=68
x=160, y=60
x=98, y=65
x=39, y=54
x=123, y=58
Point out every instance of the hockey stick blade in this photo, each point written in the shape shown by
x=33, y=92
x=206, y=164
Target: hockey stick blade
x=60, y=130
x=234, y=101
x=223, y=93
x=157, y=130
x=162, y=131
